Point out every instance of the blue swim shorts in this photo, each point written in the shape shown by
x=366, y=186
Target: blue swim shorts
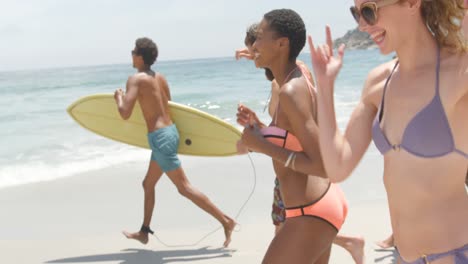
x=164, y=143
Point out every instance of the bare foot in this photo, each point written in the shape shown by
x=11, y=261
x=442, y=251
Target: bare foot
x=140, y=236
x=355, y=247
x=387, y=243
x=228, y=228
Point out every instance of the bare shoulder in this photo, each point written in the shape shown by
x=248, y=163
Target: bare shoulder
x=375, y=82
x=134, y=81
x=138, y=78
x=454, y=66
x=160, y=76
x=293, y=92
x=161, y=79
x=133, y=78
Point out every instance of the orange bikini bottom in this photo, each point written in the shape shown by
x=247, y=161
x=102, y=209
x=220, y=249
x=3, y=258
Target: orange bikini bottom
x=331, y=207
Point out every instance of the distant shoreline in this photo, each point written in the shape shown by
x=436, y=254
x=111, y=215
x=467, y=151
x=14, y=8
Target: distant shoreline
x=37, y=69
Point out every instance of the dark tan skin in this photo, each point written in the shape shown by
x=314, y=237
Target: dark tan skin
x=302, y=239
x=152, y=93
x=353, y=244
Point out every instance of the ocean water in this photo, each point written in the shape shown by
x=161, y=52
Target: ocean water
x=40, y=142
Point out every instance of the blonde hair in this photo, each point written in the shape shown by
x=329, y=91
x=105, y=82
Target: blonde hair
x=444, y=19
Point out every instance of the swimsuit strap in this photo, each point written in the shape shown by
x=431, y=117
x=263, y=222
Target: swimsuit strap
x=437, y=71
x=312, y=89
x=380, y=114
x=306, y=73
x=461, y=153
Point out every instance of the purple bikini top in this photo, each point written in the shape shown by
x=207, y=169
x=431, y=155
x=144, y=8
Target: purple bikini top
x=427, y=135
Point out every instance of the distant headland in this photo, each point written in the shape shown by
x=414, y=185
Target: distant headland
x=355, y=39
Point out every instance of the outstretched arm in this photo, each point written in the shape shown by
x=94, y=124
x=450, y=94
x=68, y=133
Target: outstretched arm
x=126, y=102
x=340, y=152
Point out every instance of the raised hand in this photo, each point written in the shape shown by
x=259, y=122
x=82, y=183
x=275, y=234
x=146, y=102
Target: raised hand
x=326, y=65
x=118, y=94
x=243, y=53
x=252, y=138
x=245, y=116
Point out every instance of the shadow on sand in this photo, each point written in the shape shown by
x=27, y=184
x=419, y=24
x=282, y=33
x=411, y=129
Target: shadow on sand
x=391, y=254
x=134, y=256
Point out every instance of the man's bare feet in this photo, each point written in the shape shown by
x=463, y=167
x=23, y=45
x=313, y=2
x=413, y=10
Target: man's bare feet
x=355, y=246
x=228, y=228
x=387, y=243
x=140, y=236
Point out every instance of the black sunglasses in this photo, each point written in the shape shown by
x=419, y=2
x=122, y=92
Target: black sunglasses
x=368, y=10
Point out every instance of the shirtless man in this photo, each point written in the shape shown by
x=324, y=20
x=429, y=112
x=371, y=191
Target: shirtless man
x=151, y=91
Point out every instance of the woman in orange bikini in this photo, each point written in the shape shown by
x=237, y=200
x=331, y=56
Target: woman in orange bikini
x=315, y=208
x=353, y=244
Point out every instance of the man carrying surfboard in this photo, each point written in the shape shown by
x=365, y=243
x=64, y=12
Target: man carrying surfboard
x=151, y=90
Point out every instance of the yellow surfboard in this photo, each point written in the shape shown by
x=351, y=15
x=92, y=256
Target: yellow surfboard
x=201, y=134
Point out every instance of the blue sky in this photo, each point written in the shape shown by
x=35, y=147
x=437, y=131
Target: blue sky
x=62, y=33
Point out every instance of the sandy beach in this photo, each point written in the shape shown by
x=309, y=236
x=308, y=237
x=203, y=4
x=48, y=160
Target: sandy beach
x=79, y=219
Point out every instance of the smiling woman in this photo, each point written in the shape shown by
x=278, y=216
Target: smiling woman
x=369, y=10
x=414, y=109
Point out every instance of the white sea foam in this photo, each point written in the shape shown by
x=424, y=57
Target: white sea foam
x=40, y=142
x=63, y=165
